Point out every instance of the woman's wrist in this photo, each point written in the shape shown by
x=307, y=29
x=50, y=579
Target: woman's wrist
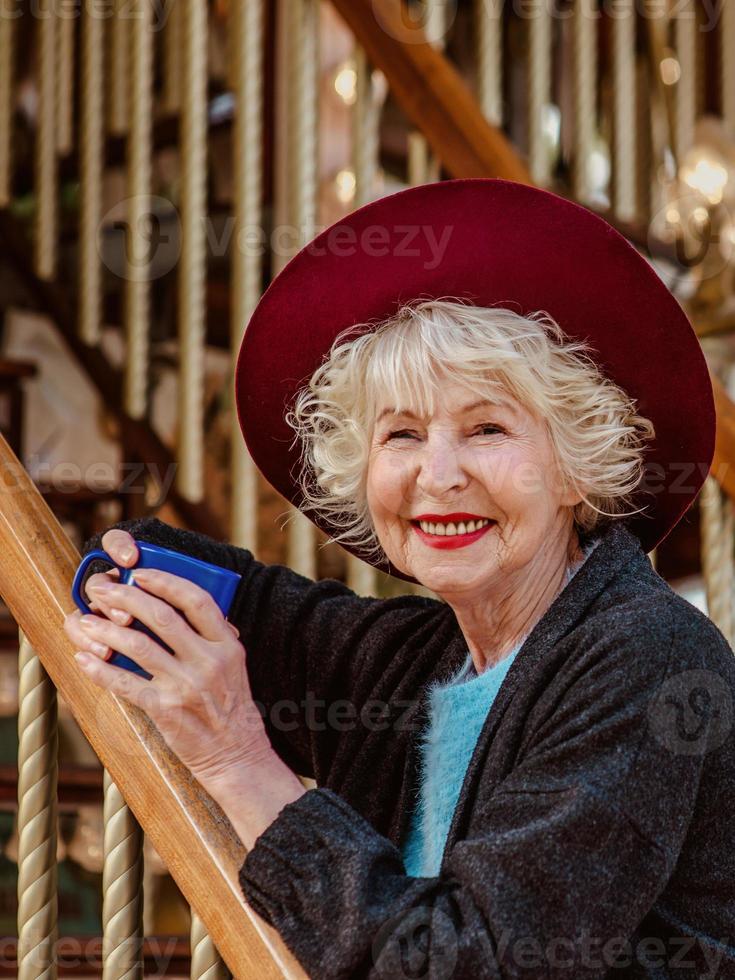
x=253, y=795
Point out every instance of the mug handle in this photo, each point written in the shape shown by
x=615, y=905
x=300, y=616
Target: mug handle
x=76, y=585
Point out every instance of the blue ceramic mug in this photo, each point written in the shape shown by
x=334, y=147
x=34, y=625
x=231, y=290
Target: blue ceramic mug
x=221, y=583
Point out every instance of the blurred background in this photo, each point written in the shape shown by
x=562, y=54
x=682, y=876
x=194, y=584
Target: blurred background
x=161, y=160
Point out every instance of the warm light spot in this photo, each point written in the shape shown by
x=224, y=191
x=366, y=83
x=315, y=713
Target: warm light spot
x=699, y=215
x=345, y=183
x=705, y=175
x=670, y=71
x=345, y=84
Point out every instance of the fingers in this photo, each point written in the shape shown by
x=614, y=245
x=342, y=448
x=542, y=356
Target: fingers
x=121, y=547
x=192, y=600
x=100, y=637
x=122, y=682
x=159, y=616
x=81, y=639
x=97, y=604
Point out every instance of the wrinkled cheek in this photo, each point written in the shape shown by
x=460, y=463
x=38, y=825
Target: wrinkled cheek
x=389, y=489
x=528, y=480
x=498, y=473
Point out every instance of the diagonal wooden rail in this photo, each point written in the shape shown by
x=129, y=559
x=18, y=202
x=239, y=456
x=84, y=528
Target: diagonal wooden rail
x=723, y=464
x=186, y=827
x=431, y=92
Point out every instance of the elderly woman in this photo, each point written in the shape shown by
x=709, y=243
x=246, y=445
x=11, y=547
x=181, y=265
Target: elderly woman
x=531, y=776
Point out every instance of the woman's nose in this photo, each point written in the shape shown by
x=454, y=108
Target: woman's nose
x=440, y=468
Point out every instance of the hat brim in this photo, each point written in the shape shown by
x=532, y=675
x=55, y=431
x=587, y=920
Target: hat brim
x=493, y=242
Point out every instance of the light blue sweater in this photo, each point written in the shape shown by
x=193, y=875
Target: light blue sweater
x=457, y=710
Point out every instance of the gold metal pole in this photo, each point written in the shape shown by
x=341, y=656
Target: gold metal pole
x=645, y=107
x=65, y=80
x=247, y=262
x=539, y=91
x=489, y=27
x=119, y=38
x=303, y=156
x=423, y=165
x=206, y=963
x=45, y=163
x=172, y=63
x=192, y=264
x=727, y=66
x=585, y=88
x=37, y=818
x=91, y=163
x=139, y=232
x=365, y=132
x=624, y=110
x=685, y=31
x=7, y=61
x=418, y=159
x=717, y=542
x=361, y=577
x=122, y=894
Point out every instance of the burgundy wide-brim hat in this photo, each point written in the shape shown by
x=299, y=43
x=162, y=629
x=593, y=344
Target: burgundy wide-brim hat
x=495, y=243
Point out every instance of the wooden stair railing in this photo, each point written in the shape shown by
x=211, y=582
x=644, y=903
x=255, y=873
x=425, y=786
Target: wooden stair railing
x=186, y=827
x=432, y=93
x=723, y=464
x=440, y=104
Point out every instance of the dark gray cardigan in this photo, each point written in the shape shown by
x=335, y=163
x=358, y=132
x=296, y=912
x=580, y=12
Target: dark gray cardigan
x=595, y=832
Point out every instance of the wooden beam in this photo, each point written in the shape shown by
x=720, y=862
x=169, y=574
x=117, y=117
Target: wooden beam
x=187, y=828
x=432, y=93
x=723, y=464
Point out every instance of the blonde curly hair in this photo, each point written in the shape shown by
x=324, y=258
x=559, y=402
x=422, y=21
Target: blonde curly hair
x=596, y=434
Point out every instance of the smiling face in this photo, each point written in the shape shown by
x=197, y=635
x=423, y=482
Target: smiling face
x=493, y=461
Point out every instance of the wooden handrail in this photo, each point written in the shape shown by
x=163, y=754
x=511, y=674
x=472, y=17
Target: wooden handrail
x=723, y=464
x=432, y=93
x=186, y=827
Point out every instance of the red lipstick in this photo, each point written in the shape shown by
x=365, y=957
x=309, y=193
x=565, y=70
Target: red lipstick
x=446, y=518
x=448, y=542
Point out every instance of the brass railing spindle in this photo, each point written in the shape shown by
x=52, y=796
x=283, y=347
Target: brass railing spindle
x=206, y=963
x=247, y=28
x=192, y=264
x=122, y=894
x=91, y=163
x=37, y=818
x=303, y=65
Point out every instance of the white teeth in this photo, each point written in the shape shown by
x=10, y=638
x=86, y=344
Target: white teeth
x=430, y=527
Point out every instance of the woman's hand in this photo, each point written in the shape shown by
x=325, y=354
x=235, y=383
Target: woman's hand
x=199, y=699
x=121, y=547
